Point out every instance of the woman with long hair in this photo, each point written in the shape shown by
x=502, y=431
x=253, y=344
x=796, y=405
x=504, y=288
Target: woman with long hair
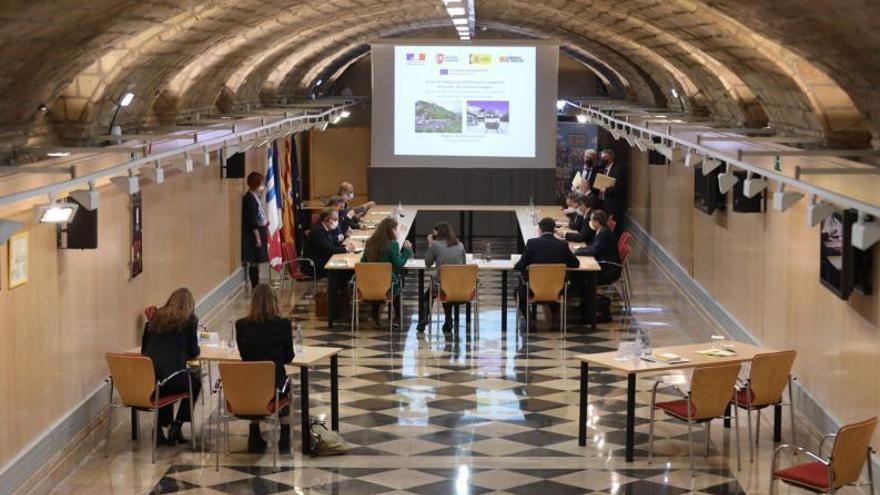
x=254, y=230
x=265, y=335
x=383, y=246
x=444, y=248
x=170, y=340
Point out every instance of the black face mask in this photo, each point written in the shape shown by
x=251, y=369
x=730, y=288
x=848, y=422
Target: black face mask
x=588, y=163
x=601, y=163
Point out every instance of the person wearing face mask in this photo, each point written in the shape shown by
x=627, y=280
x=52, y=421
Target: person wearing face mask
x=346, y=191
x=347, y=219
x=613, y=197
x=585, y=206
x=254, y=228
x=384, y=246
x=323, y=241
x=588, y=170
x=604, y=249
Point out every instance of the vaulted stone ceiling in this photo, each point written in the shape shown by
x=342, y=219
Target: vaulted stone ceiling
x=808, y=66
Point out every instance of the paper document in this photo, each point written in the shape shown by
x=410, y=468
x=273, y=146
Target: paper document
x=577, y=181
x=603, y=182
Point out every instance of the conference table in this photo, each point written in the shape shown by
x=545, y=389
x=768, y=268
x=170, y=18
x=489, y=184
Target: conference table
x=633, y=366
x=309, y=356
x=526, y=220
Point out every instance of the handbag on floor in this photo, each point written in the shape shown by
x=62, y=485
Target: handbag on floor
x=324, y=441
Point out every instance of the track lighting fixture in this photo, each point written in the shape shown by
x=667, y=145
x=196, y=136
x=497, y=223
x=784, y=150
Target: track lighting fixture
x=783, y=200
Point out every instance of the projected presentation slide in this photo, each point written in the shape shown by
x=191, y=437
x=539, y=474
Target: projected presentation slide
x=474, y=101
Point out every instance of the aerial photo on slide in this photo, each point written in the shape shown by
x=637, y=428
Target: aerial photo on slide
x=438, y=117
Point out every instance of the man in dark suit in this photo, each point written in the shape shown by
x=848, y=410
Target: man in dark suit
x=587, y=169
x=323, y=243
x=545, y=248
x=585, y=206
x=604, y=249
x=614, y=197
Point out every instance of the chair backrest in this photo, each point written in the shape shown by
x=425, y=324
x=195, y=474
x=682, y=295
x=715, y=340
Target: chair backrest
x=373, y=280
x=624, y=247
x=248, y=386
x=769, y=376
x=133, y=377
x=712, y=389
x=851, y=450
x=546, y=281
x=458, y=282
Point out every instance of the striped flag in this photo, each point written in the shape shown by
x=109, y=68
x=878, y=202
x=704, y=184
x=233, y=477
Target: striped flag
x=273, y=207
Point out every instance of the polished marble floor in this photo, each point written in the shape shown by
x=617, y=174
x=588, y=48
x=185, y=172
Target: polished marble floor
x=488, y=412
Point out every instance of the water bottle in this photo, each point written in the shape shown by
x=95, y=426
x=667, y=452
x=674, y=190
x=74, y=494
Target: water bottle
x=298, y=339
x=532, y=205
x=231, y=342
x=488, y=251
x=400, y=209
x=644, y=337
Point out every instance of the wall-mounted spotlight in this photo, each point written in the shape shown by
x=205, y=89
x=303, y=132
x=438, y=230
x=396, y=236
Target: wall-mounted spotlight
x=123, y=101
x=323, y=126
x=752, y=187
x=345, y=114
x=643, y=144
x=336, y=119
x=206, y=158
x=783, y=200
x=155, y=173
x=186, y=165
x=55, y=212
x=7, y=228
x=674, y=93
x=865, y=233
x=710, y=164
x=128, y=184
x=727, y=180
x=818, y=211
x=87, y=198
x=560, y=105
x=582, y=118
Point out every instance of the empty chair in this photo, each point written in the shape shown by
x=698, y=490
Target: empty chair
x=547, y=284
x=372, y=283
x=710, y=393
x=249, y=392
x=133, y=377
x=851, y=451
x=458, y=284
x=770, y=374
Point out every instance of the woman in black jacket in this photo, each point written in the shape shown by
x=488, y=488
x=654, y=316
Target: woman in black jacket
x=254, y=228
x=264, y=335
x=170, y=340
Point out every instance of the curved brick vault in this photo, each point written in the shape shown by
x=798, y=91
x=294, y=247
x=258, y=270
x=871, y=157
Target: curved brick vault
x=803, y=66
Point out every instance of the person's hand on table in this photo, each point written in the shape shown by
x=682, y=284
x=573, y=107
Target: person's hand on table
x=407, y=245
x=349, y=247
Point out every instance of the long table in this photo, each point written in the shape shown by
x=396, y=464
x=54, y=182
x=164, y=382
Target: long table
x=634, y=366
x=309, y=356
x=341, y=263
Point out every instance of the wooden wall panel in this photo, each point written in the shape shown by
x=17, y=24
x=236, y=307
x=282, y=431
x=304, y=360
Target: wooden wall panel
x=339, y=154
x=78, y=305
x=671, y=212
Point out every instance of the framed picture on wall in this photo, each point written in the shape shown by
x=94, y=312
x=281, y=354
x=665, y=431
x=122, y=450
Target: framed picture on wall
x=137, y=235
x=18, y=260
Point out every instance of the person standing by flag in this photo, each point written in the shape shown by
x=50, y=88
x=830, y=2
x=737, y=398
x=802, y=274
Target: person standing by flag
x=254, y=228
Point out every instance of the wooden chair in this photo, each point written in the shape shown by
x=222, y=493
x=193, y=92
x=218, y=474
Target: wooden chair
x=248, y=392
x=547, y=284
x=458, y=284
x=851, y=451
x=134, y=378
x=372, y=282
x=710, y=393
x=769, y=375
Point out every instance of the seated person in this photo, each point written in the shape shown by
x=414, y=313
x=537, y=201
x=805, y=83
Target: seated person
x=586, y=205
x=604, y=249
x=444, y=248
x=323, y=241
x=347, y=219
x=545, y=248
x=170, y=340
x=383, y=247
x=264, y=335
x=570, y=208
x=346, y=190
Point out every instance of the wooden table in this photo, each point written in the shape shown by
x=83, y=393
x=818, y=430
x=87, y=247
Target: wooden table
x=632, y=367
x=341, y=263
x=309, y=356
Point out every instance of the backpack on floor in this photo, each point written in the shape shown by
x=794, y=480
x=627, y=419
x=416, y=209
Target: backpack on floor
x=325, y=441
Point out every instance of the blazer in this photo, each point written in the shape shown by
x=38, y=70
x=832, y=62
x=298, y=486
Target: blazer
x=546, y=249
x=171, y=350
x=584, y=232
x=603, y=248
x=614, y=197
x=321, y=246
x=266, y=341
x=250, y=221
x=577, y=222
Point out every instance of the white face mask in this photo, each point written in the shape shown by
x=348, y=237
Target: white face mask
x=349, y=196
x=334, y=224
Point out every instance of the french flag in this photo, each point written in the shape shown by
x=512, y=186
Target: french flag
x=273, y=207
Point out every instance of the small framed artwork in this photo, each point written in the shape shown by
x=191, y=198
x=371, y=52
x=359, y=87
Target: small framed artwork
x=18, y=260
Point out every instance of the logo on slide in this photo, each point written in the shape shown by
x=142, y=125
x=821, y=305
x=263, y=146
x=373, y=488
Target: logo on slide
x=440, y=58
x=510, y=59
x=415, y=58
x=480, y=59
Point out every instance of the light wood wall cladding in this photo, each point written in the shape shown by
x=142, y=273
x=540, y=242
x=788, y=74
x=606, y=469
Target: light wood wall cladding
x=764, y=269
x=78, y=305
x=339, y=154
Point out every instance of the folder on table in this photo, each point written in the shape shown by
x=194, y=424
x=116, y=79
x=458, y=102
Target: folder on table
x=603, y=182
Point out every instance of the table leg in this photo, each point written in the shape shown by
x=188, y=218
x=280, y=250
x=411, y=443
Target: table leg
x=582, y=414
x=304, y=408
x=504, y=301
x=135, y=426
x=630, y=415
x=334, y=392
x=332, y=294
x=422, y=301
x=592, y=281
x=777, y=423
x=471, y=231
x=467, y=314
x=520, y=244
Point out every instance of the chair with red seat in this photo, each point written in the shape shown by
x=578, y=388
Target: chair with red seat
x=134, y=378
x=621, y=285
x=711, y=390
x=851, y=451
x=248, y=392
x=770, y=373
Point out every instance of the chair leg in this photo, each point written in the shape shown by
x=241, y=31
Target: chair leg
x=275, y=439
x=192, y=414
x=750, y=438
x=155, y=431
x=870, y=472
x=736, y=433
x=757, y=427
x=691, y=448
x=791, y=411
x=109, y=423
x=651, y=424
x=708, y=430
